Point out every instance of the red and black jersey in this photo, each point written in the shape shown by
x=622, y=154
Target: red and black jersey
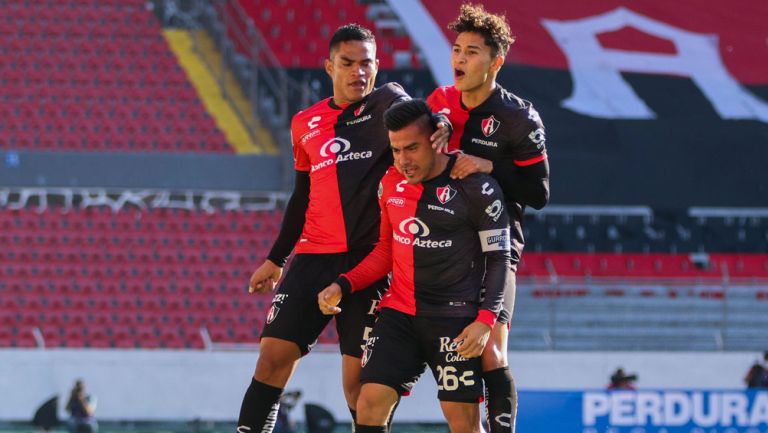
x=504, y=129
x=442, y=239
x=345, y=150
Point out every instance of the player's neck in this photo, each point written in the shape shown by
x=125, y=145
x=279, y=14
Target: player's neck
x=441, y=163
x=477, y=96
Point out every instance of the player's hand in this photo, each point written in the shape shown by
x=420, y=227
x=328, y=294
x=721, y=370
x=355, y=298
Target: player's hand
x=328, y=300
x=472, y=340
x=468, y=164
x=265, y=277
x=441, y=137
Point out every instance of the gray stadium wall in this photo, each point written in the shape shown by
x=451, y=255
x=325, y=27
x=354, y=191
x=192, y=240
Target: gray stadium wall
x=185, y=385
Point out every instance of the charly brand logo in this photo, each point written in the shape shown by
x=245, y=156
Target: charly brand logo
x=489, y=125
x=445, y=193
x=487, y=190
x=340, y=149
x=313, y=122
x=417, y=228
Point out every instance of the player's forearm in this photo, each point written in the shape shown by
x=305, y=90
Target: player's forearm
x=375, y=266
x=293, y=220
x=527, y=185
x=495, y=281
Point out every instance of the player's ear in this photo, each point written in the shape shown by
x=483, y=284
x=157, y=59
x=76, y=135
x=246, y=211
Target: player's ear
x=328, y=67
x=497, y=63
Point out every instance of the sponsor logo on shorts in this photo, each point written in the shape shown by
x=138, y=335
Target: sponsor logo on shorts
x=448, y=346
x=368, y=351
x=274, y=310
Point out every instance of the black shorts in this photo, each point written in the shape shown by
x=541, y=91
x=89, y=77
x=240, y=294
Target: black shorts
x=401, y=344
x=295, y=315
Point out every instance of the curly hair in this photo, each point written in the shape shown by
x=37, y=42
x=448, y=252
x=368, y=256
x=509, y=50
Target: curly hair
x=494, y=28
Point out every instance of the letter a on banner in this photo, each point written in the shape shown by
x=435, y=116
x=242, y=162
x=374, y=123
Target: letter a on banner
x=599, y=90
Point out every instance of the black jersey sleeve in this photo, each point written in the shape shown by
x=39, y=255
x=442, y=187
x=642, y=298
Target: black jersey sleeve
x=491, y=220
x=394, y=93
x=293, y=220
x=527, y=185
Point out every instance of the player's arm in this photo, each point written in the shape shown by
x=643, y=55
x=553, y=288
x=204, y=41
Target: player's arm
x=268, y=274
x=492, y=223
x=442, y=137
x=375, y=266
x=524, y=184
x=523, y=169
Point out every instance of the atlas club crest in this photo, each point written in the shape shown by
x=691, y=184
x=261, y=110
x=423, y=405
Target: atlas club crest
x=445, y=193
x=489, y=125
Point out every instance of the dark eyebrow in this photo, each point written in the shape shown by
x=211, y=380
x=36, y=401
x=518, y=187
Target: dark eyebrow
x=346, y=59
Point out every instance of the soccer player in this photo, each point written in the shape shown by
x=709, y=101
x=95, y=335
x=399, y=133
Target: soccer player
x=443, y=239
x=502, y=135
x=341, y=151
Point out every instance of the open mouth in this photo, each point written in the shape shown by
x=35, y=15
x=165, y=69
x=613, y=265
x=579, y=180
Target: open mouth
x=359, y=84
x=458, y=73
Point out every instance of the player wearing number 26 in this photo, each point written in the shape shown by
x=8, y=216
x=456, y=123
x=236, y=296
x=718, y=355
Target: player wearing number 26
x=442, y=239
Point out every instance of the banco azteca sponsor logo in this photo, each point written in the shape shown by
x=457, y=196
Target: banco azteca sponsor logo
x=335, y=146
x=337, y=150
x=415, y=227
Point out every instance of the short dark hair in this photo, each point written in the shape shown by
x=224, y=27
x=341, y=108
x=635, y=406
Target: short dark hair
x=493, y=27
x=350, y=32
x=405, y=113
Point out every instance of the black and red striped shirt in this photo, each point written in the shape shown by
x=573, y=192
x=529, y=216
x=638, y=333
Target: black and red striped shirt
x=443, y=239
x=504, y=129
x=345, y=150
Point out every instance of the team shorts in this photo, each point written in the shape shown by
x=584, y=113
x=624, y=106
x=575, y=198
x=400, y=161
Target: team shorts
x=295, y=315
x=400, y=345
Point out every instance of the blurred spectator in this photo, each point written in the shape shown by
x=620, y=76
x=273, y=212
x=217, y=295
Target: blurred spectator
x=287, y=402
x=621, y=380
x=757, y=376
x=81, y=407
